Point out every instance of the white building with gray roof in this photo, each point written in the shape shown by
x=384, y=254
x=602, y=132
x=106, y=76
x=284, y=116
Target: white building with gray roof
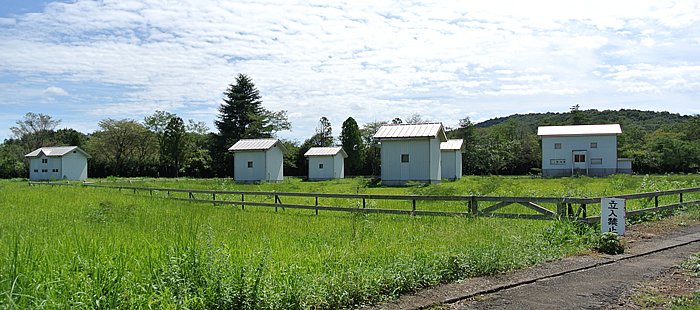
x=58, y=163
x=452, y=158
x=411, y=152
x=258, y=160
x=582, y=150
x=326, y=163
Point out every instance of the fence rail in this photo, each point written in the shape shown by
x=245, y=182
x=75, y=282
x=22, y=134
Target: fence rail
x=485, y=206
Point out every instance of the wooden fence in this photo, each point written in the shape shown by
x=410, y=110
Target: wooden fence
x=487, y=206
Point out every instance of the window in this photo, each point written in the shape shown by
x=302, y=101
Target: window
x=44, y=170
x=54, y=170
x=404, y=158
x=557, y=161
x=580, y=158
x=596, y=161
x=44, y=160
x=36, y=170
x=594, y=145
x=250, y=164
x=557, y=146
x=320, y=166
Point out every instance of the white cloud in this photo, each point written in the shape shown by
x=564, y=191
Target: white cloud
x=368, y=59
x=54, y=91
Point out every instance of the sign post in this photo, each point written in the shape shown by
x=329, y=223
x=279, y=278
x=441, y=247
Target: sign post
x=612, y=215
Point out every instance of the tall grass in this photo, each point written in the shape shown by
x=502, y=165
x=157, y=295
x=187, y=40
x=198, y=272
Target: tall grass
x=79, y=247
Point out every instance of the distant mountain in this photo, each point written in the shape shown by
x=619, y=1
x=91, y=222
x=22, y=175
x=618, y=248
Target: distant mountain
x=648, y=120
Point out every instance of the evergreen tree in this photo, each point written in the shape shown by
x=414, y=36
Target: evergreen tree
x=241, y=116
x=351, y=141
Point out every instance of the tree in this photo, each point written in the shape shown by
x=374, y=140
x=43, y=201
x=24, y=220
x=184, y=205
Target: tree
x=120, y=141
x=416, y=119
x=241, y=116
x=175, y=144
x=371, y=152
x=34, y=130
x=578, y=117
x=324, y=134
x=157, y=124
x=351, y=141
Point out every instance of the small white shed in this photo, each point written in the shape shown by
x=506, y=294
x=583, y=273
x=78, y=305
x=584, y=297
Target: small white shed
x=581, y=150
x=326, y=163
x=452, y=158
x=58, y=163
x=258, y=160
x=411, y=152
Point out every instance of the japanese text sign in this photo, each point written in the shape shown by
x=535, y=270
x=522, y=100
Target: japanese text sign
x=612, y=215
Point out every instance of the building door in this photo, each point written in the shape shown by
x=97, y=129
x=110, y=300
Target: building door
x=580, y=162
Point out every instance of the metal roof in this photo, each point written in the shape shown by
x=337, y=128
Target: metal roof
x=572, y=130
x=433, y=130
x=257, y=145
x=326, y=151
x=453, y=144
x=55, y=151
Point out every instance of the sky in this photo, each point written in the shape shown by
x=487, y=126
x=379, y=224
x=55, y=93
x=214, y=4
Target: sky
x=82, y=61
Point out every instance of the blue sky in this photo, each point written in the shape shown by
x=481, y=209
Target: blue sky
x=84, y=61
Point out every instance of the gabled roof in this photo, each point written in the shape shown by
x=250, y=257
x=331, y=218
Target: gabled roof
x=326, y=151
x=56, y=151
x=424, y=130
x=257, y=145
x=577, y=130
x=453, y=145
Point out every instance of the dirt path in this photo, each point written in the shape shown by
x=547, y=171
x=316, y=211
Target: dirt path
x=579, y=282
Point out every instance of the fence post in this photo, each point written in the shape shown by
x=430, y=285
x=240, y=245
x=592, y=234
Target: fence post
x=242, y=200
x=317, y=205
x=681, y=198
x=560, y=207
x=473, y=205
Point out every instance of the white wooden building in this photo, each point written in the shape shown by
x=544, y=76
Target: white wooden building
x=326, y=163
x=258, y=160
x=58, y=163
x=581, y=150
x=452, y=158
x=411, y=152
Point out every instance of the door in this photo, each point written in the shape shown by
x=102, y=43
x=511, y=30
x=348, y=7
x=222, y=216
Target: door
x=580, y=160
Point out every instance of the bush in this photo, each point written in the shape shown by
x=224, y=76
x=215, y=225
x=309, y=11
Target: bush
x=610, y=243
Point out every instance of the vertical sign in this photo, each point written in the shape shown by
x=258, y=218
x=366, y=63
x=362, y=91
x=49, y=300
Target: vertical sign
x=612, y=215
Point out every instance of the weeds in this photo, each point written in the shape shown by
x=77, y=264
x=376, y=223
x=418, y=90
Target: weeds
x=78, y=247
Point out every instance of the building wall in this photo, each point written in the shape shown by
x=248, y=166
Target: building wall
x=241, y=171
x=333, y=167
x=74, y=166
x=45, y=168
x=423, y=165
x=338, y=166
x=275, y=165
x=601, y=160
x=451, y=164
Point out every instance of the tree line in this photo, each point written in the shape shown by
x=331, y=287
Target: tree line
x=165, y=145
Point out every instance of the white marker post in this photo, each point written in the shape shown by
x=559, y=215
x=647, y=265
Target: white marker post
x=612, y=215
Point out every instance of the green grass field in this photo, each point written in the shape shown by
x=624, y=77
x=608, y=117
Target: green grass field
x=94, y=248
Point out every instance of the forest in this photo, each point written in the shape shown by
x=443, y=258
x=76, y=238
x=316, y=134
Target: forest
x=164, y=145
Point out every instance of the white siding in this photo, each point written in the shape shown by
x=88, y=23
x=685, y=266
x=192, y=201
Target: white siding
x=451, y=164
x=275, y=165
x=241, y=171
x=338, y=166
x=424, y=161
x=74, y=166
x=333, y=167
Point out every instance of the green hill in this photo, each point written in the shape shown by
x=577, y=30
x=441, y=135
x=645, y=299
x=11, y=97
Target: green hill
x=650, y=121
